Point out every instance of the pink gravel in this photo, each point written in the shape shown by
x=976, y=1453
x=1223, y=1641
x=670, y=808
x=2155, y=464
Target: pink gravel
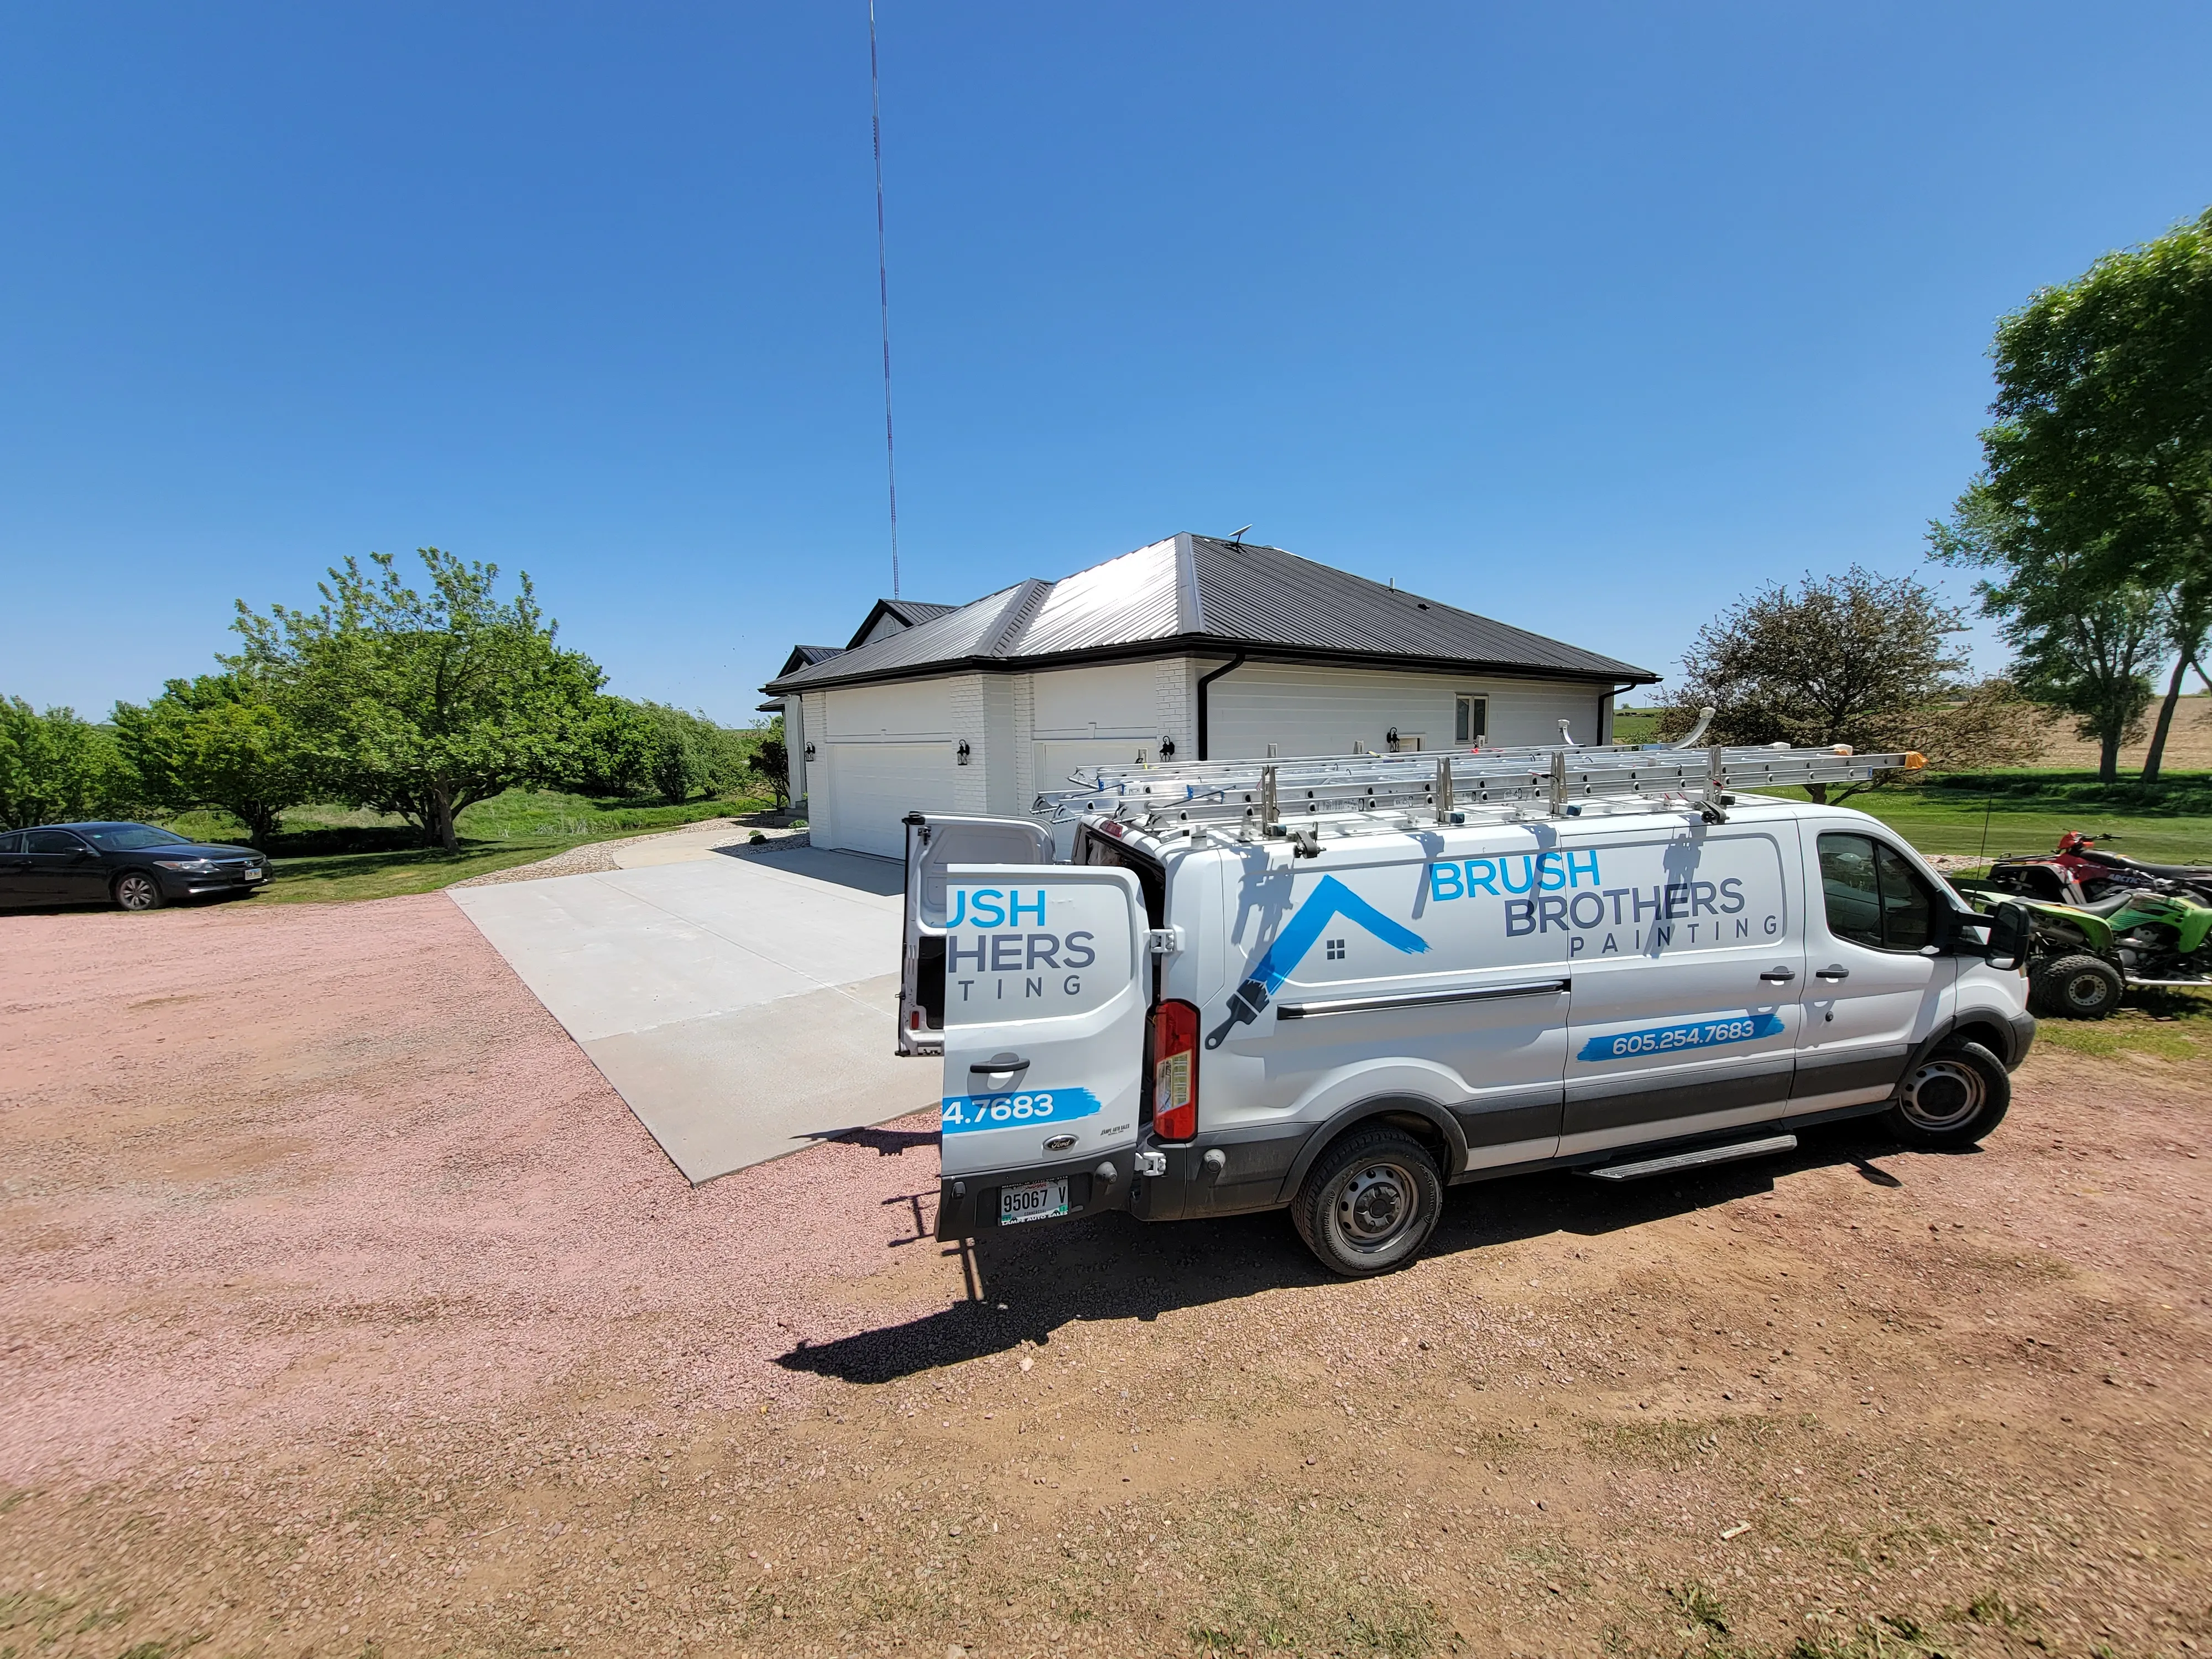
x=272, y=1176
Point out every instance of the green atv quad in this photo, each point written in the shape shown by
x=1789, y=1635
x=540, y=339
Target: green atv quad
x=2083, y=957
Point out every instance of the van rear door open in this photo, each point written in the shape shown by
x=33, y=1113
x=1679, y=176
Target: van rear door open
x=1045, y=995
x=933, y=845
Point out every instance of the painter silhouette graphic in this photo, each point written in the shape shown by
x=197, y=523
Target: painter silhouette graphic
x=1329, y=899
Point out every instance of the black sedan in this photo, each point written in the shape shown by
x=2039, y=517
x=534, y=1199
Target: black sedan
x=132, y=865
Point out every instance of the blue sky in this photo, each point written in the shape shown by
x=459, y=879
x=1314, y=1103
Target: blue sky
x=1587, y=317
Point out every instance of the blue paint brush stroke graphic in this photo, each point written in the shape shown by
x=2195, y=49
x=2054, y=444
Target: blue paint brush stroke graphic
x=963, y=1114
x=1746, y=1027
x=1329, y=899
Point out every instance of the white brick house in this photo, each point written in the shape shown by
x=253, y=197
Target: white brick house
x=1190, y=647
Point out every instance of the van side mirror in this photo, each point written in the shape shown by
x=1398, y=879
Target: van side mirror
x=2011, y=928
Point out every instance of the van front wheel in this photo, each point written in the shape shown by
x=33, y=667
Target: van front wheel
x=1369, y=1203
x=1951, y=1099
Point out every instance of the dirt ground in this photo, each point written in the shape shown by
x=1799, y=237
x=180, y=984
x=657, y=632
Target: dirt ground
x=349, y=1312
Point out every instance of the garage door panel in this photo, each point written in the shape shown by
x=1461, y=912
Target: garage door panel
x=875, y=786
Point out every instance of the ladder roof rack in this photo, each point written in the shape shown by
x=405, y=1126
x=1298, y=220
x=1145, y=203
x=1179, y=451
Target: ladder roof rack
x=1300, y=796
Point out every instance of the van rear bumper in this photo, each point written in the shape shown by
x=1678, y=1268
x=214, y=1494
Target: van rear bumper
x=968, y=1205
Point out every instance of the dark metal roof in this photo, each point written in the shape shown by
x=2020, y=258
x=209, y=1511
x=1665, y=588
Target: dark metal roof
x=805, y=656
x=907, y=613
x=1267, y=597
x=1197, y=593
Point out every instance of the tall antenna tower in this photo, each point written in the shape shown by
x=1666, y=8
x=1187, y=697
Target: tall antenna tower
x=882, y=288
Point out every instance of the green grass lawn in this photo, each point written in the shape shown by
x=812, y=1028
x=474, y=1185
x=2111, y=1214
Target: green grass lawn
x=1635, y=725
x=2174, y=1026
x=2026, y=812
x=350, y=854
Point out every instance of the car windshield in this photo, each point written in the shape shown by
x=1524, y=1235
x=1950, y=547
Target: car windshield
x=130, y=837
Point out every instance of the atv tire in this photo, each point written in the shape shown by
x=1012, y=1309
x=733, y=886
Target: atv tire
x=2079, y=987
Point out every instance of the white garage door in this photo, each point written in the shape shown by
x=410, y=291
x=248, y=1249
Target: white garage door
x=875, y=785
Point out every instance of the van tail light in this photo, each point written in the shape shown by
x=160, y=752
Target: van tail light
x=1174, y=1072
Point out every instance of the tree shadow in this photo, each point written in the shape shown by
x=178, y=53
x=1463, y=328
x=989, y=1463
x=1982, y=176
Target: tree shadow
x=1025, y=1284
x=884, y=1143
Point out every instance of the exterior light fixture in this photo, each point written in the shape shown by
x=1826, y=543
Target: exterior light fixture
x=1391, y=737
x=960, y=754
x=810, y=751
x=1167, y=748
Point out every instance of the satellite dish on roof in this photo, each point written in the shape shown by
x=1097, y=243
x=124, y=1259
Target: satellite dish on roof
x=1238, y=536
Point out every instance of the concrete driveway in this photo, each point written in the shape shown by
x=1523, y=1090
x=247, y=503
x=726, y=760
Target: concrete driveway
x=741, y=1001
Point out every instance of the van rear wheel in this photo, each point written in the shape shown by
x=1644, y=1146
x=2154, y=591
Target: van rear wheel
x=1370, y=1202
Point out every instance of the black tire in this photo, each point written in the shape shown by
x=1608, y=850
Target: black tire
x=2079, y=987
x=1370, y=1202
x=136, y=889
x=1952, y=1098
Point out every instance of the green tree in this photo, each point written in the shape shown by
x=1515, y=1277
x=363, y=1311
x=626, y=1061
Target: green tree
x=771, y=763
x=2102, y=440
x=55, y=768
x=628, y=748
x=422, y=704
x=1855, y=658
x=2082, y=642
x=219, y=740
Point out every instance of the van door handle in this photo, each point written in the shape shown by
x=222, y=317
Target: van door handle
x=1832, y=972
x=1779, y=976
x=1007, y=1066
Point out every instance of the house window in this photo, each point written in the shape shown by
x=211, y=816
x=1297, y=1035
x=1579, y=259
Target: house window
x=1471, y=723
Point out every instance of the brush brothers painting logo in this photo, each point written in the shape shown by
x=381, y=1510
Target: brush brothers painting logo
x=1329, y=899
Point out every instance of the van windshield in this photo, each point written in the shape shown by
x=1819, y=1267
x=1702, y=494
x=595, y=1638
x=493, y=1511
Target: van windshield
x=1093, y=848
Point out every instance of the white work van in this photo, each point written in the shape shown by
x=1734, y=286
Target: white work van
x=1341, y=986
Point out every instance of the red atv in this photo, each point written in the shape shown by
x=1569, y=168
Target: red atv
x=2078, y=872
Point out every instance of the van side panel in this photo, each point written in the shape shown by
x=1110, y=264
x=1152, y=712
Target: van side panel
x=1689, y=980
x=1363, y=980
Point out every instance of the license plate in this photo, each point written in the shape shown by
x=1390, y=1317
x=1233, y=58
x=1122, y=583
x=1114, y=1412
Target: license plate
x=1038, y=1200
x=253, y=875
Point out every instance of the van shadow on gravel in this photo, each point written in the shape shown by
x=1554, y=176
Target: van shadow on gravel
x=1025, y=1285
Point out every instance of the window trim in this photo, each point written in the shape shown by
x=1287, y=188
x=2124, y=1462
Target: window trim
x=1478, y=732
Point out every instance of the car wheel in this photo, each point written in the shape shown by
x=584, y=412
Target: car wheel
x=137, y=890
x=1369, y=1203
x=2077, y=988
x=1952, y=1098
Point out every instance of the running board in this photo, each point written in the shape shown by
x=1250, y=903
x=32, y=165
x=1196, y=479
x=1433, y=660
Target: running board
x=1676, y=1163
x=2171, y=984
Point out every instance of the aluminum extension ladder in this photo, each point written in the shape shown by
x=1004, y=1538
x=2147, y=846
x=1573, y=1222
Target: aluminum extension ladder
x=1377, y=792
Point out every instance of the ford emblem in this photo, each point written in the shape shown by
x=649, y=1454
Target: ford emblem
x=1059, y=1143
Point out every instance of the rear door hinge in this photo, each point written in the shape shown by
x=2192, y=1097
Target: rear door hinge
x=1164, y=941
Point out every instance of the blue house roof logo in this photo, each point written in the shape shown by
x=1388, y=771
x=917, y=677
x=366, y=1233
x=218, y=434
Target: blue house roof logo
x=1329, y=900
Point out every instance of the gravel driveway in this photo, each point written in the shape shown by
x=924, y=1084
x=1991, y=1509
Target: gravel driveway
x=350, y=1311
